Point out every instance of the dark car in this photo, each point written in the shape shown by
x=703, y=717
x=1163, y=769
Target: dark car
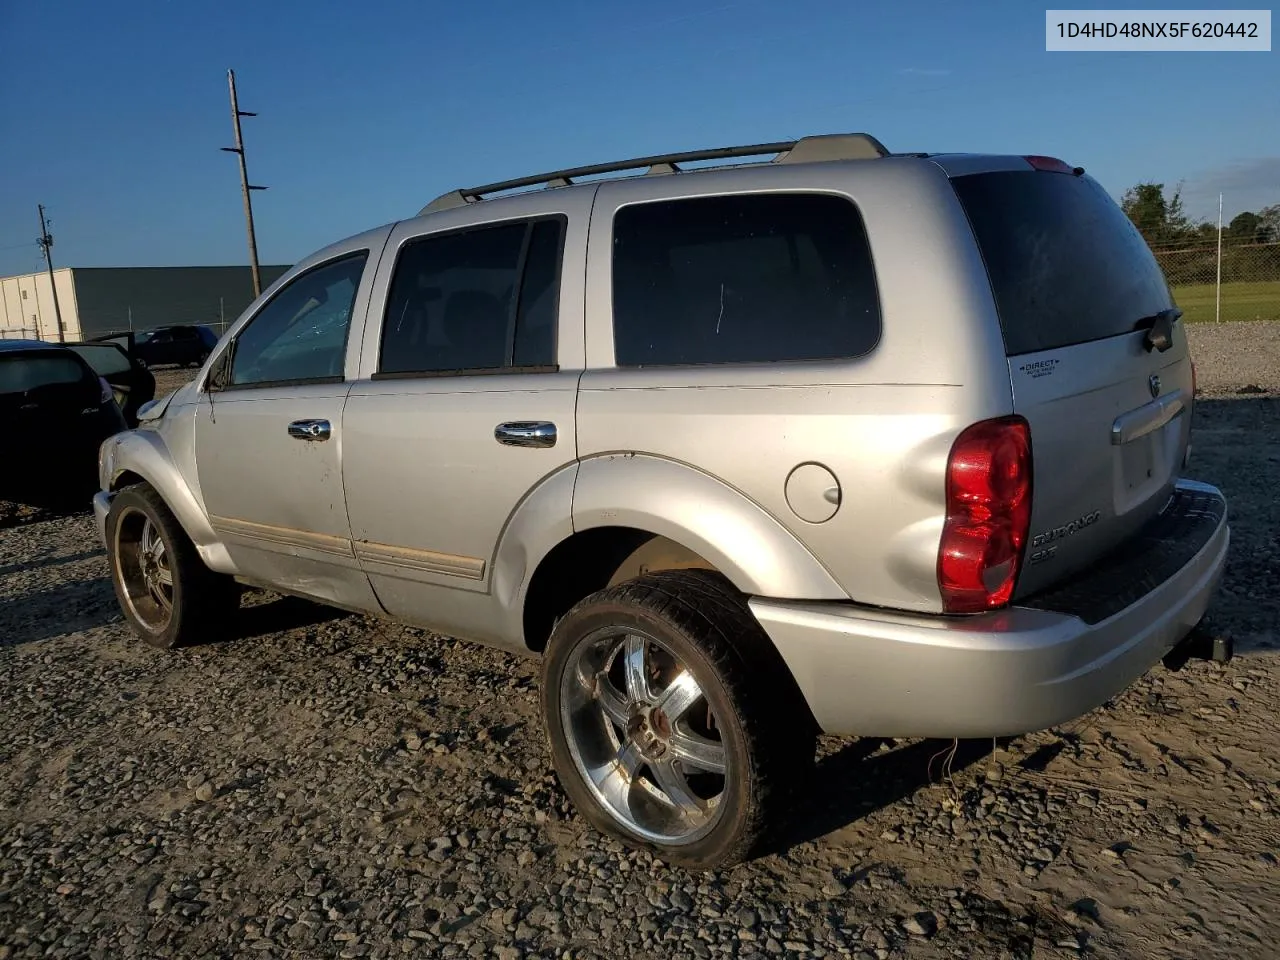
x=56, y=412
x=131, y=382
x=184, y=345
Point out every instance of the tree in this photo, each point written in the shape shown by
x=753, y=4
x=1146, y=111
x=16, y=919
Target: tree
x=1269, y=224
x=1159, y=220
x=1244, y=227
x=1207, y=232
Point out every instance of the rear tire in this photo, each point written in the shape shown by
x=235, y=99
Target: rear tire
x=674, y=724
x=168, y=596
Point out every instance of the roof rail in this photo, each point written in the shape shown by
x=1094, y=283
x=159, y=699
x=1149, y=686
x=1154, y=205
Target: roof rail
x=834, y=146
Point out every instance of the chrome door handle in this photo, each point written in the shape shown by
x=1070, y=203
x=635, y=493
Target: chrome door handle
x=310, y=429
x=526, y=433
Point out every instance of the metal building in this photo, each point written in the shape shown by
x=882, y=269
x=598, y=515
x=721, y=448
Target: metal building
x=98, y=300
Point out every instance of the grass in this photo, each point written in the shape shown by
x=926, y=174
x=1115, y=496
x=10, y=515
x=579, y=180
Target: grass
x=1258, y=300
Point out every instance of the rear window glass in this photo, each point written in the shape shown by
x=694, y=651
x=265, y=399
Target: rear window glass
x=742, y=279
x=22, y=373
x=1066, y=265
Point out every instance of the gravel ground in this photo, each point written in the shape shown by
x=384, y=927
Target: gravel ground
x=169, y=379
x=324, y=785
x=1236, y=359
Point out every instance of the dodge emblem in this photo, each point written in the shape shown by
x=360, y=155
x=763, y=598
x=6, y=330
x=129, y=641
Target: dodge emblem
x=1153, y=382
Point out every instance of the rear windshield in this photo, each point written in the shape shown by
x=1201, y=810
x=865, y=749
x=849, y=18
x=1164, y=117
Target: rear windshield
x=19, y=374
x=1065, y=263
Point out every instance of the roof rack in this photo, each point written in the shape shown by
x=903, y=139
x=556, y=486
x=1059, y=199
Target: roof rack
x=833, y=146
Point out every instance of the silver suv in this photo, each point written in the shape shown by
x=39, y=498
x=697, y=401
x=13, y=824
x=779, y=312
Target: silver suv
x=830, y=440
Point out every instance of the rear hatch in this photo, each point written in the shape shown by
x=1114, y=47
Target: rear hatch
x=1078, y=294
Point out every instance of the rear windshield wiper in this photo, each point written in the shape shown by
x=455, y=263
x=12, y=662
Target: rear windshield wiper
x=1159, y=327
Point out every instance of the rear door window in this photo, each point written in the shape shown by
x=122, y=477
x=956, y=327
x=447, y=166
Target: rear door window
x=1066, y=265
x=480, y=299
x=743, y=278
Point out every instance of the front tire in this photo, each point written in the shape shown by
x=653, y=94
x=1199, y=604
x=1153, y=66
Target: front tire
x=673, y=723
x=167, y=594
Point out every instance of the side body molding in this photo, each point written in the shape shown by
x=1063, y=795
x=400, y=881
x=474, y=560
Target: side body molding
x=144, y=453
x=676, y=501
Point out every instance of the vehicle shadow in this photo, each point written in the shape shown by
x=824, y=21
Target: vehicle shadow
x=1235, y=445
x=261, y=614
x=863, y=777
x=77, y=605
x=45, y=562
x=58, y=610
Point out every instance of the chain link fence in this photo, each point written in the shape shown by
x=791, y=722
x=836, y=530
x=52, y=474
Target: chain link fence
x=1249, y=284
x=18, y=333
x=170, y=313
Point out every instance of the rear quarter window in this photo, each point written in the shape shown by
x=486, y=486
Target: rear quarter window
x=742, y=278
x=1066, y=266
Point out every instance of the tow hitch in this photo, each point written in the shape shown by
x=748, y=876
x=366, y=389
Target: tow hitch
x=1200, y=645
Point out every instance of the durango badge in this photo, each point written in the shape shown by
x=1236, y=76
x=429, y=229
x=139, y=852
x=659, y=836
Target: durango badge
x=1066, y=530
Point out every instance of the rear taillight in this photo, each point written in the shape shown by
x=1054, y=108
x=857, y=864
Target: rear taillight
x=1193, y=379
x=988, y=514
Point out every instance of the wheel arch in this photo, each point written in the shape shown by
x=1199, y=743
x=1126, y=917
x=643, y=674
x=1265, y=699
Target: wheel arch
x=140, y=456
x=671, y=517
x=702, y=513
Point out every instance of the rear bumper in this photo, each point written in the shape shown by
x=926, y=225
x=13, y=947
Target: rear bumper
x=869, y=672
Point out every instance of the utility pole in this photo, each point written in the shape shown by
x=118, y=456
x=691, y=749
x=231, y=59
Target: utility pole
x=46, y=244
x=1217, y=287
x=245, y=186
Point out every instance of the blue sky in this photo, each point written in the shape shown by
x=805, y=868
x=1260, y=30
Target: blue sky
x=114, y=112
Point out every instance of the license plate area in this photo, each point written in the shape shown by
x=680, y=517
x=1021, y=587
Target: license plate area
x=1143, y=467
x=1138, y=461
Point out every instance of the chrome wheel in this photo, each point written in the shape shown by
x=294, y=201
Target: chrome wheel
x=643, y=736
x=142, y=566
